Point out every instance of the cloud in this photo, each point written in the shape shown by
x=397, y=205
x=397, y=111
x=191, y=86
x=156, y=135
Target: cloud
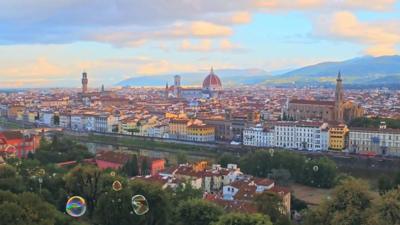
x=129, y=38
x=326, y=5
x=40, y=68
x=381, y=38
x=207, y=45
x=202, y=46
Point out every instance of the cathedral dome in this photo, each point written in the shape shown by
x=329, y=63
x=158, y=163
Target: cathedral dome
x=212, y=82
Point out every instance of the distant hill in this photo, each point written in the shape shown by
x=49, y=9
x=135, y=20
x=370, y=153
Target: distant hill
x=365, y=71
x=362, y=72
x=228, y=76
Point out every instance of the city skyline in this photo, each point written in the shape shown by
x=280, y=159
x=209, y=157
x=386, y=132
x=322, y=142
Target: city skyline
x=49, y=44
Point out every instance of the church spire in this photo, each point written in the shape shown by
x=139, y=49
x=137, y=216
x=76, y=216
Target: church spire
x=212, y=70
x=339, y=98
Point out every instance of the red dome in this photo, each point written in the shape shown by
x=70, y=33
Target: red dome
x=212, y=82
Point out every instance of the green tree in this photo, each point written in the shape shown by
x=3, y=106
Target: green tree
x=13, y=214
x=159, y=203
x=145, y=167
x=185, y=191
x=181, y=158
x=115, y=208
x=243, y=219
x=280, y=176
x=10, y=180
x=87, y=182
x=198, y=212
x=271, y=204
x=349, y=205
x=131, y=167
x=227, y=158
x=386, y=210
x=384, y=184
x=26, y=208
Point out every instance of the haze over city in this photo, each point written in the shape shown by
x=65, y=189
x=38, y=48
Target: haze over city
x=49, y=43
x=200, y=112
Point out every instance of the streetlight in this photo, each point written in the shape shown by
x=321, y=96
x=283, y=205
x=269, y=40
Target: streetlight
x=40, y=184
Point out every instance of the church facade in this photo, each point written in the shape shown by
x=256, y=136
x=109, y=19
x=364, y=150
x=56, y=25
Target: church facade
x=212, y=87
x=338, y=110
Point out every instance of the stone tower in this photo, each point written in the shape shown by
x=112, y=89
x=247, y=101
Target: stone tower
x=339, y=99
x=84, y=83
x=177, y=86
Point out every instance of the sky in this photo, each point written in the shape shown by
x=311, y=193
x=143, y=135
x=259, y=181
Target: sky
x=48, y=43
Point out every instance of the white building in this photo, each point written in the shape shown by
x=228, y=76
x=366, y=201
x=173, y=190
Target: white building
x=106, y=123
x=301, y=135
x=65, y=120
x=258, y=136
x=47, y=117
x=382, y=141
x=77, y=122
x=160, y=131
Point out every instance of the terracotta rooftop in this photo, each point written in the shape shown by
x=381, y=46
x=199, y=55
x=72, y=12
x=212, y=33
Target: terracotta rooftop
x=311, y=102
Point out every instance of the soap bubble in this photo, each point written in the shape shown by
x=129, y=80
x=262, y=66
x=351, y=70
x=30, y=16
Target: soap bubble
x=140, y=205
x=117, y=186
x=315, y=168
x=271, y=152
x=76, y=206
x=112, y=174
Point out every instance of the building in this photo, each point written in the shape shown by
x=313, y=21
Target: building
x=178, y=128
x=116, y=160
x=17, y=144
x=381, y=141
x=85, y=82
x=258, y=136
x=338, y=110
x=201, y=133
x=338, y=137
x=231, y=126
x=301, y=135
x=211, y=87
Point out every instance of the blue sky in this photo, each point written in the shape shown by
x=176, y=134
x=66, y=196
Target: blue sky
x=47, y=43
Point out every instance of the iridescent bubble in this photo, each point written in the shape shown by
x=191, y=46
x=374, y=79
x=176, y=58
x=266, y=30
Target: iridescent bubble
x=140, y=205
x=41, y=172
x=76, y=206
x=117, y=186
x=315, y=168
x=271, y=152
x=112, y=174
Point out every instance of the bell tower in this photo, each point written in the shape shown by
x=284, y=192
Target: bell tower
x=339, y=99
x=84, y=82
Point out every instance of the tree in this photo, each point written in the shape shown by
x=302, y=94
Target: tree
x=227, y=158
x=13, y=214
x=185, y=191
x=198, y=212
x=27, y=208
x=145, y=168
x=10, y=180
x=280, y=176
x=386, y=210
x=159, y=202
x=115, y=208
x=181, y=158
x=270, y=203
x=131, y=167
x=87, y=182
x=349, y=205
x=384, y=184
x=243, y=219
